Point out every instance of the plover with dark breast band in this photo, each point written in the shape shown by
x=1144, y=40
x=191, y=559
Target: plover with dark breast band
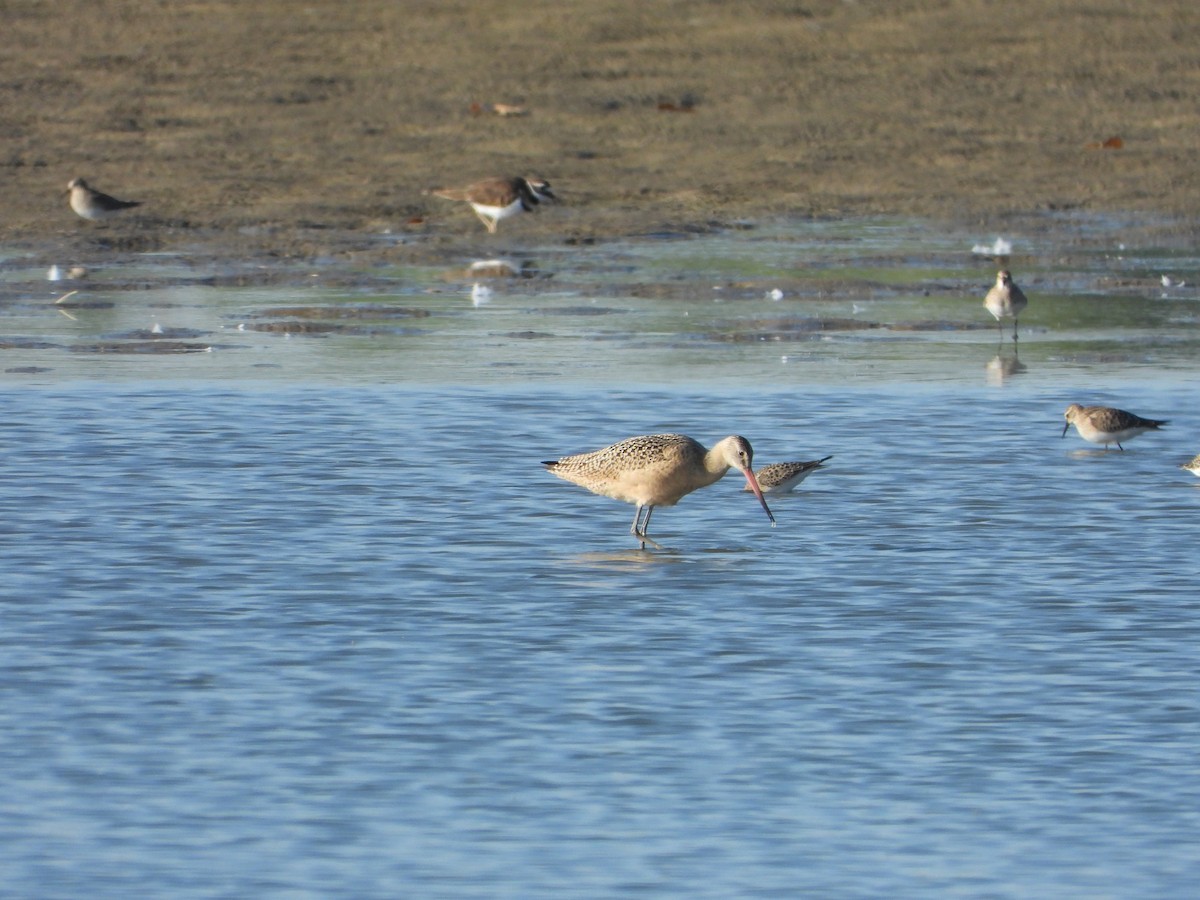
x=494, y=199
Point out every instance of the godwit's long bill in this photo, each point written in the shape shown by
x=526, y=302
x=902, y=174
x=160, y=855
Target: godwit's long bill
x=657, y=470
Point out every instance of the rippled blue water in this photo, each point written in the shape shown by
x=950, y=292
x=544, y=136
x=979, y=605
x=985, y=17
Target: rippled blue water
x=330, y=636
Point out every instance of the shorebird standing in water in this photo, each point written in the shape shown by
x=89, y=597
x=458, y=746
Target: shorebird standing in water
x=1105, y=425
x=94, y=205
x=657, y=470
x=782, y=478
x=1193, y=466
x=494, y=199
x=1005, y=301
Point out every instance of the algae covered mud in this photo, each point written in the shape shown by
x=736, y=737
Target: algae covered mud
x=785, y=302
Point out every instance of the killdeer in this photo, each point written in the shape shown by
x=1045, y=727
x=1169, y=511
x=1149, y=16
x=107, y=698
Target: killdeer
x=494, y=199
x=1005, y=301
x=92, y=204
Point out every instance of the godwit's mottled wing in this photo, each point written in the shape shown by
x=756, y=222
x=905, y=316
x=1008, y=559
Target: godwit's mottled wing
x=645, y=470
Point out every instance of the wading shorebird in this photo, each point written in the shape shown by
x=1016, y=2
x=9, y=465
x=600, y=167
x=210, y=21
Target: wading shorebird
x=1005, y=301
x=1105, y=425
x=782, y=478
x=657, y=470
x=494, y=199
x=94, y=205
x=1193, y=466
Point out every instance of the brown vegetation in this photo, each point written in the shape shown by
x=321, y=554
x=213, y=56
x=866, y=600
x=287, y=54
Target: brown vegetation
x=278, y=120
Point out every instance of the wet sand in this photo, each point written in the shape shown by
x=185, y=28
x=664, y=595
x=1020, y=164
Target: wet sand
x=292, y=130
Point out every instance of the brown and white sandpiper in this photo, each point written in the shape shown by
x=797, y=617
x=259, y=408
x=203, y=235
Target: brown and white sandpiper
x=93, y=204
x=1005, y=301
x=782, y=478
x=1105, y=425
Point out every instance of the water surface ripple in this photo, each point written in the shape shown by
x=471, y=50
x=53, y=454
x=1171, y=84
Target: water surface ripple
x=339, y=634
x=272, y=641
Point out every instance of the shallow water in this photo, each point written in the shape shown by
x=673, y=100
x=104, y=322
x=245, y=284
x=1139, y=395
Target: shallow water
x=297, y=612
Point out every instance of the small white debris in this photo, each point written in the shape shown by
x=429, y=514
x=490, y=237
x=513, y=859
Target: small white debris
x=481, y=294
x=156, y=329
x=1000, y=247
x=54, y=273
x=775, y=294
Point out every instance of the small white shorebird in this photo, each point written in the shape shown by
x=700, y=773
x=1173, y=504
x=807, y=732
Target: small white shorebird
x=782, y=478
x=1105, y=425
x=494, y=199
x=1005, y=301
x=94, y=205
x=657, y=470
x=1193, y=466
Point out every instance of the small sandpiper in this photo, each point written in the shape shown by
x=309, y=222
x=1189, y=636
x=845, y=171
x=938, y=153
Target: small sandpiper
x=1105, y=425
x=494, y=199
x=782, y=478
x=1005, y=301
x=94, y=205
x=1193, y=466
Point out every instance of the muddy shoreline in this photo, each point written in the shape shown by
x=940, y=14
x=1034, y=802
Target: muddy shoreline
x=292, y=130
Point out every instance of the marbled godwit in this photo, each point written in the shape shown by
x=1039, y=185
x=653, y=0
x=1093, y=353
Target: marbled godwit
x=1193, y=466
x=91, y=204
x=1105, y=425
x=782, y=478
x=498, y=198
x=1005, y=301
x=657, y=470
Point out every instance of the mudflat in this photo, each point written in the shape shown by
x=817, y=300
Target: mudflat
x=293, y=128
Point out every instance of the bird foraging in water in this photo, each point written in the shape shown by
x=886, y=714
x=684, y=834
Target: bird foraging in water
x=657, y=470
x=1005, y=301
x=782, y=478
x=494, y=199
x=1105, y=425
x=94, y=205
x=1193, y=466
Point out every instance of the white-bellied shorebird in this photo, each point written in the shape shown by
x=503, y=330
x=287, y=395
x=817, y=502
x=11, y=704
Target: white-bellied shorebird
x=782, y=478
x=1105, y=425
x=657, y=470
x=1193, y=466
x=494, y=199
x=1005, y=301
x=92, y=204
